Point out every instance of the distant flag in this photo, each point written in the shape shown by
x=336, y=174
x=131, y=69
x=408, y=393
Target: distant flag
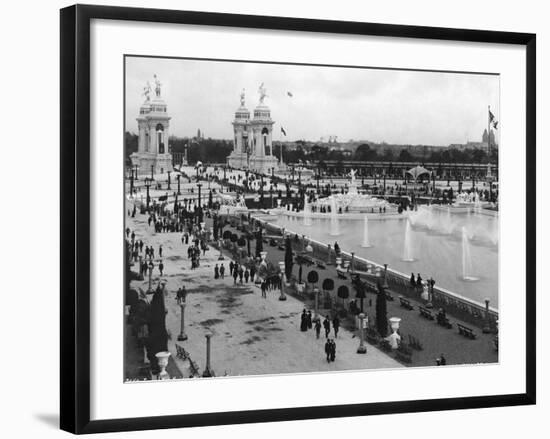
x=283, y=131
x=289, y=94
x=492, y=119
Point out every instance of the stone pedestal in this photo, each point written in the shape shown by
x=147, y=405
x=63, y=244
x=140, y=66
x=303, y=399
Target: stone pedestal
x=263, y=164
x=161, y=163
x=237, y=160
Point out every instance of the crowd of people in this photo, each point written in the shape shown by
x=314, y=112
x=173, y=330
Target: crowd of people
x=307, y=321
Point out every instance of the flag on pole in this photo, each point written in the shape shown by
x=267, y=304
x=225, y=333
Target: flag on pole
x=283, y=131
x=289, y=94
x=492, y=120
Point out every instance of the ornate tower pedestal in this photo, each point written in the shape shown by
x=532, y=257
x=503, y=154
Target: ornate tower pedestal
x=239, y=156
x=153, y=125
x=253, y=138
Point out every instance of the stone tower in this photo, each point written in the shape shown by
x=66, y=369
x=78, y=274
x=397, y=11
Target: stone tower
x=253, y=148
x=241, y=123
x=153, y=153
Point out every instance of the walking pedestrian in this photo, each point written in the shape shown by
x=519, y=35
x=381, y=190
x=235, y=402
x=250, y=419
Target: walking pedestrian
x=222, y=271
x=231, y=267
x=332, y=350
x=309, y=321
x=161, y=267
x=326, y=325
x=303, y=322
x=235, y=275
x=241, y=273
x=160, y=251
x=252, y=273
x=216, y=272
x=336, y=325
x=327, y=350
x=317, y=327
x=246, y=275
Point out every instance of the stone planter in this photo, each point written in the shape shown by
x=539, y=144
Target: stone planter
x=162, y=358
x=394, y=338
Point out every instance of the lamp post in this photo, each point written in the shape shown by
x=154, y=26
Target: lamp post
x=318, y=176
x=131, y=182
x=182, y=335
x=150, y=266
x=147, y=185
x=431, y=283
x=208, y=372
x=385, y=284
x=362, y=349
x=262, y=190
x=178, y=177
x=168, y=172
x=487, y=325
x=282, y=297
x=199, y=185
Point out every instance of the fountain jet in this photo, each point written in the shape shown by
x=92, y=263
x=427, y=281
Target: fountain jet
x=334, y=227
x=307, y=212
x=467, y=268
x=408, y=255
x=366, y=242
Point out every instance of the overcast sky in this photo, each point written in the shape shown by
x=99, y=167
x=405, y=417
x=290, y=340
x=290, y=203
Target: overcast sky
x=352, y=103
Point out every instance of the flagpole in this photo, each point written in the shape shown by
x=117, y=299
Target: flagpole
x=489, y=133
x=281, y=146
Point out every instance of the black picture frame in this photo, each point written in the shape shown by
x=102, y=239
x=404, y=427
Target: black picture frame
x=75, y=216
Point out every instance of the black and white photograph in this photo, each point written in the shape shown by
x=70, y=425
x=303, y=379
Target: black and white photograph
x=287, y=218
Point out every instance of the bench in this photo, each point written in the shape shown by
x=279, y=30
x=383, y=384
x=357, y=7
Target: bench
x=403, y=356
x=320, y=264
x=444, y=321
x=304, y=259
x=415, y=343
x=406, y=303
x=181, y=352
x=426, y=313
x=341, y=274
x=194, y=368
x=466, y=332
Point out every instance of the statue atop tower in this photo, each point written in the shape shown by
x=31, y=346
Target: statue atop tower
x=153, y=155
x=242, y=98
x=263, y=93
x=147, y=91
x=157, y=86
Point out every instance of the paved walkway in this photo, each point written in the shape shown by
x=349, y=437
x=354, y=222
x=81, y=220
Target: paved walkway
x=252, y=335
